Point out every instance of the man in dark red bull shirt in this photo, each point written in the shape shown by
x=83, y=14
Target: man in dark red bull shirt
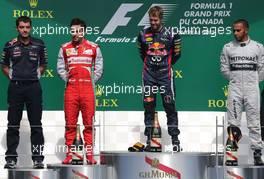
x=159, y=50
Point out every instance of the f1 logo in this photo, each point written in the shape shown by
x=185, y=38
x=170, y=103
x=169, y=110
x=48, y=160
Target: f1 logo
x=120, y=19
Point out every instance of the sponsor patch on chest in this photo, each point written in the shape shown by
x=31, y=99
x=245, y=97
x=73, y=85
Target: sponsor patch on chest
x=88, y=52
x=33, y=54
x=17, y=52
x=71, y=51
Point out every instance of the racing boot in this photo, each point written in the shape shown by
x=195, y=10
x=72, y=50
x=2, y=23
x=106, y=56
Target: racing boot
x=89, y=156
x=176, y=144
x=68, y=159
x=257, y=158
x=10, y=164
x=38, y=164
x=90, y=160
x=148, y=147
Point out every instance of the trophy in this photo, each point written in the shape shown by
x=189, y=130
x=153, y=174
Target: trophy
x=77, y=154
x=234, y=135
x=155, y=142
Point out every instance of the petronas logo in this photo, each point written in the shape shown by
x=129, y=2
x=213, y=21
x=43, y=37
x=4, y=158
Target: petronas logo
x=33, y=3
x=225, y=89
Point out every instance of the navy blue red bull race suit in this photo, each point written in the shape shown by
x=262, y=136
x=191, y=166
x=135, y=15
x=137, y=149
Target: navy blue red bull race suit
x=159, y=51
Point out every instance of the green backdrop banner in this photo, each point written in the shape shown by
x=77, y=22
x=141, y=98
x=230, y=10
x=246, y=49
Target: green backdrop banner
x=114, y=24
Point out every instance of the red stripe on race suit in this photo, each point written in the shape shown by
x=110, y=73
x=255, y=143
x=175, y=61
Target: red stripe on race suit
x=164, y=168
x=229, y=154
x=169, y=63
x=231, y=173
x=144, y=67
x=80, y=55
x=145, y=63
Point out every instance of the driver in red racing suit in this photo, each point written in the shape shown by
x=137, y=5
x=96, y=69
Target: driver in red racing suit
x=75, y=64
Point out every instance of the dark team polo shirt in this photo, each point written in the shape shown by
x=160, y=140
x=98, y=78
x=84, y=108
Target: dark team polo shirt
x=24, y=60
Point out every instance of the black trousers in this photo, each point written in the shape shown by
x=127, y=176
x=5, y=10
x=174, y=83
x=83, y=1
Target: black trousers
x=20, y=93
x=167, y=89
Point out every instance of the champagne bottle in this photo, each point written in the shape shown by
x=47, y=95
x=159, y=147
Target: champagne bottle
x=231, y=150
x=77, y=146
x=155, y=143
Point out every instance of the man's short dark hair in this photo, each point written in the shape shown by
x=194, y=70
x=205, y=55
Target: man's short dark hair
x=242, y=21
x=156, y=11
x=77, y=21
x=24, y=19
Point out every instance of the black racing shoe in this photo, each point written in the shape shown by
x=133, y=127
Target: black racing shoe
x=257, y=158
x=38, y=164
x=10, y=164
x=148, y=147
x=176, y=146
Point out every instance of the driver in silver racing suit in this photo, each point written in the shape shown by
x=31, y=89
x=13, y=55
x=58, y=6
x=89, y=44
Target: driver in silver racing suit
x=242, y=64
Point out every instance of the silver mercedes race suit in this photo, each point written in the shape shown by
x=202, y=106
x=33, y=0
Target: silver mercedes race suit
x=242, y=65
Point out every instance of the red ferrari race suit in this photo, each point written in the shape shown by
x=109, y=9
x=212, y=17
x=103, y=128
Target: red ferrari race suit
x=80, y=67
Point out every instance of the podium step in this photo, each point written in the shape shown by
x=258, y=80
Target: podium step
x=79, y=171
x=29, y=173
x=139, y=165
x=237, y=172
x=183, y=165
